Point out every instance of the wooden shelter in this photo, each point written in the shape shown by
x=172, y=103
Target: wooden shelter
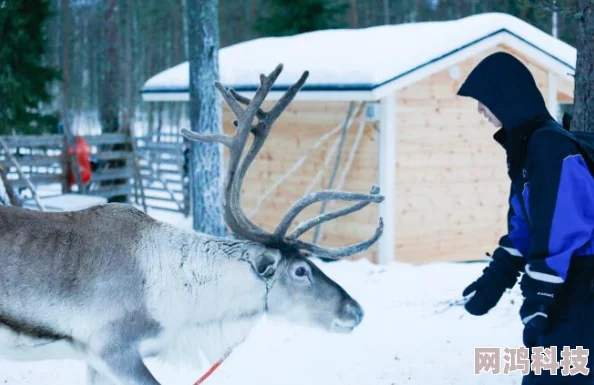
x=431, y=153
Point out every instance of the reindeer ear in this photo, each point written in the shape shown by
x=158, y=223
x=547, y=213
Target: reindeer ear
x=266, y=262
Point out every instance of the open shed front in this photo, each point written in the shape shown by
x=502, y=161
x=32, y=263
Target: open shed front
x=452, y=186
x=431, y=153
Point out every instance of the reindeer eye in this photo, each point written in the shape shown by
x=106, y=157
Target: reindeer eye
x=300, y=272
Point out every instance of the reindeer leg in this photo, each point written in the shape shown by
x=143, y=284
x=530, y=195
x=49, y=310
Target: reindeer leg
x=112, y=352
x=116, y=366
x=96, y=378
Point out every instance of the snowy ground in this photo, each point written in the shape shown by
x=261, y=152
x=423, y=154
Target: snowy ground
x=409, y=336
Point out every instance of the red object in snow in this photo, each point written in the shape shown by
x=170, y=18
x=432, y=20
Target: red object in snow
x=83, y=155
x=212, y=369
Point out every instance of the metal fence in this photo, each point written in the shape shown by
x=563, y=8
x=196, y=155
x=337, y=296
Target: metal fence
x=150, y=171
x=164, y=174
x=44, y=161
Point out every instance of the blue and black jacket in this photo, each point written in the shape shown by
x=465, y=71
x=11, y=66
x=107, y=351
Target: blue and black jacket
x=551, y=201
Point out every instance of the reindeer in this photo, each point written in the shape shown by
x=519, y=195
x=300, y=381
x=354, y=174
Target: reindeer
x=111, y=286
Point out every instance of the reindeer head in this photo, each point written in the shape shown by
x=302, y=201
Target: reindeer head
x=297, y=289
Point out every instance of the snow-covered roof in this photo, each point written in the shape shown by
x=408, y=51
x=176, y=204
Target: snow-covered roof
x=355, y=64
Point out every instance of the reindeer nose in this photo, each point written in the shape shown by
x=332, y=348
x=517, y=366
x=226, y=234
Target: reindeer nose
x=353, y=312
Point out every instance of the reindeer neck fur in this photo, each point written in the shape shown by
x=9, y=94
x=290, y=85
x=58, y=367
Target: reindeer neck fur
x=202, y=289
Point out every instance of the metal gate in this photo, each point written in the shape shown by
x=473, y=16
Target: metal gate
x=164, y=172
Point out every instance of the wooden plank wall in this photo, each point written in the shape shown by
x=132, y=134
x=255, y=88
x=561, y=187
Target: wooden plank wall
x=452, y=185
x=294, y=133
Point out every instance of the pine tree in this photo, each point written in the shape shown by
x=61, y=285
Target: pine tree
x=289, y=17
x=25, y=79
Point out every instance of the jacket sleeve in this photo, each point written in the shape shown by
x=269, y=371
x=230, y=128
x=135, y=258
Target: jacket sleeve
x=508, y=259
x=517, y=240
x=561, y=211
x=514, y=244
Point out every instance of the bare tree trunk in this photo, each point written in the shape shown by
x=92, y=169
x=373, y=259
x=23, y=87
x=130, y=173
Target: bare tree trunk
x=65, y=12
x=95, y=55
x=186, y=34
x=128, y=78
x=65, y=62
x=111, y=75
x=206, y=165
x=152, y=68
x=54, y=31
x=386, y=11
x=583, y=118
x=178, y=32
x=354, y=11
x=555, y=20
x=110, y=88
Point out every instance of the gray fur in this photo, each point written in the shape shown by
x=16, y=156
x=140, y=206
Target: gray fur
x=111, y=286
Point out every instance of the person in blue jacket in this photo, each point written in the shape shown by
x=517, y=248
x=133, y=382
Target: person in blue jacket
x=550, y=218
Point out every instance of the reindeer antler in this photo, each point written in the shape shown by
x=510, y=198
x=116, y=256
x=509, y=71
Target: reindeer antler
x=237, y=168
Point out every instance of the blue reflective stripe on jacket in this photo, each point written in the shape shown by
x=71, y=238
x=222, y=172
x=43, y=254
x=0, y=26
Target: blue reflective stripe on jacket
x=518, y=231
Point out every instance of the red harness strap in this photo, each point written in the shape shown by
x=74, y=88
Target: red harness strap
x=212, y=369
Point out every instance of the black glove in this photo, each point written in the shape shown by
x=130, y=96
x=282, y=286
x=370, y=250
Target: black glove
x=531, y=337
x=501, y=274
x=538, y=298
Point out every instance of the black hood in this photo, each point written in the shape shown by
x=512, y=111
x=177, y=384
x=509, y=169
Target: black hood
x=503, y=84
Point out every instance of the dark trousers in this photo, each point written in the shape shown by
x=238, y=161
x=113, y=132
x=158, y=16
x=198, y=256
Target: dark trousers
x=571, y=324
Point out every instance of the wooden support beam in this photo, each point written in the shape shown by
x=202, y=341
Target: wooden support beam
x=387, y=179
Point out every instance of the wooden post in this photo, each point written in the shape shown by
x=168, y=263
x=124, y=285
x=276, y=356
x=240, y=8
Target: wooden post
x=345, y=127
x=387, y=179
x=66, y=167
